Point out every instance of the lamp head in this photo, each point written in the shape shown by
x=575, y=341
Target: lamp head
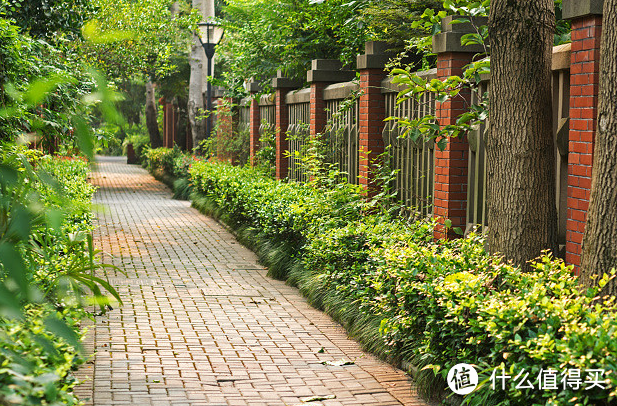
x=211, y=33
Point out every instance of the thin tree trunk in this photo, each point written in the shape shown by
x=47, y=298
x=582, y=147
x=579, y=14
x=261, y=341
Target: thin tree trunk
x=196, y=85
x=600, y=237
x=151, y=116
x=522, y=215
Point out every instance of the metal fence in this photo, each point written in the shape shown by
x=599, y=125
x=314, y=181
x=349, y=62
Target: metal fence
x=476, y=185
x=298, y=105
x=342, y=112
x=267, y=114
x=414, y=161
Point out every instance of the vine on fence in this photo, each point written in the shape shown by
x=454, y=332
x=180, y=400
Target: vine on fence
x=427, y=127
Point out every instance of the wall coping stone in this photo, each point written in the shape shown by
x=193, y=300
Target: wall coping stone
x=339, y=91
x=298, y=96
x=267, y=99
x=561, y=57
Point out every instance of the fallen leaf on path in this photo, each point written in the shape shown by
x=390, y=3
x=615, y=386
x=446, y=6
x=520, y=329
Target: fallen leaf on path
x=316, y=398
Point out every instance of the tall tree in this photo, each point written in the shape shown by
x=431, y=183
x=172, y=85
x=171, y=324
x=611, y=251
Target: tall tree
x=138, y=39
x=600, y=238
x=522, y=216
x=197, y=84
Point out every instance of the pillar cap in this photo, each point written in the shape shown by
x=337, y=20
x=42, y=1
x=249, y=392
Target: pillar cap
x=252, y=86
x=282, y=82
x=573, y=9
x=376, y=55
x=328, y=70
x=449, y=40
x=218, y=91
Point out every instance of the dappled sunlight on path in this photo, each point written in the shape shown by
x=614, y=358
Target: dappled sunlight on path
x=201, y=323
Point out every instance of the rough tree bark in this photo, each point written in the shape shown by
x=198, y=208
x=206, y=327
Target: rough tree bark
x=522, y=215
x=151, y=117
x=600, y=237
x=196, y=85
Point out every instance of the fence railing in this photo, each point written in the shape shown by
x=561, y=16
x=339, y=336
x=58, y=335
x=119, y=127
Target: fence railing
x=415, y=161
x=298, y=105
x=342, y=111
x=476, y=184
x=267, y=114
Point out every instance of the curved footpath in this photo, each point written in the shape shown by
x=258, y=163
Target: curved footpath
x=201, y=323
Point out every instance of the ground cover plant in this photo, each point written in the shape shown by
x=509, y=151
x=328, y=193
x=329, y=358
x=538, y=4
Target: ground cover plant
x=412, y=300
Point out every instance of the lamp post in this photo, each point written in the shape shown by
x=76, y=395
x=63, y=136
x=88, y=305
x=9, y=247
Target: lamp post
x=212, y=33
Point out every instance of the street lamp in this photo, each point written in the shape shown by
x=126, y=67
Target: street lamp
x=212, y=33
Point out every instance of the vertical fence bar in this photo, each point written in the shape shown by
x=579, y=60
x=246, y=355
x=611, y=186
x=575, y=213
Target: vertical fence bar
x=299, y=118
x=413, y=161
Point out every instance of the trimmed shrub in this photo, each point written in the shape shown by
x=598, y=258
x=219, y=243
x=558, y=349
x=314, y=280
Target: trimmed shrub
x=48, y=220
x=408, y=298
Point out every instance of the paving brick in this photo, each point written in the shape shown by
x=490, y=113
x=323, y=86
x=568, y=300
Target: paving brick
x=201, y=324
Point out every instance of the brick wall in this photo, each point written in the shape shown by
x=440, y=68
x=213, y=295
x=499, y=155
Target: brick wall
x=318, y=117
x=371, y=125
x=450, y=200
x=254, y=122
x=584, y=80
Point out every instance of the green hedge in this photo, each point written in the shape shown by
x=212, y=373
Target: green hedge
x=170, y=166
x=411, y=299
x=50, y=199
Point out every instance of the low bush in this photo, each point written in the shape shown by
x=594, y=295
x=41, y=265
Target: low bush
x=431, y=303
x=47, y=268
x=170, y=166
x=139, y=139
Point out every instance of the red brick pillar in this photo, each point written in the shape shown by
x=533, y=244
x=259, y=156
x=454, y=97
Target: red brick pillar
x=450, y=200
x=323, y=73
x=254, y=120
x=372, y=108
x=225, y=127
x=282, y=86
x=169, y=125
x=586, y=18
x=175, y=120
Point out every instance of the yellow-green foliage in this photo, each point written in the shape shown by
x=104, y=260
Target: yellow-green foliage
x=435, y=303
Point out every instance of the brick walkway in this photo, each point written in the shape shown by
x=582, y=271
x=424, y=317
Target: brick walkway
x=201, y=323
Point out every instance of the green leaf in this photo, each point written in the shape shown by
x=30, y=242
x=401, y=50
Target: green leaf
x=85, y=140
x=40, y=88
x=14, y=267
x=61, y=329
x=442, y=143
x=8, y=175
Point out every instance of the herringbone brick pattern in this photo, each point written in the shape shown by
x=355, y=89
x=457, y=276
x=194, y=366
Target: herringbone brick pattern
x=201, y=324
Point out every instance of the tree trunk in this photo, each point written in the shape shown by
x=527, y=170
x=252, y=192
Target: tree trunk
x=196, y=85
x=600, y=238
x=196, y=97
x=521, y=210
x=152, y=117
